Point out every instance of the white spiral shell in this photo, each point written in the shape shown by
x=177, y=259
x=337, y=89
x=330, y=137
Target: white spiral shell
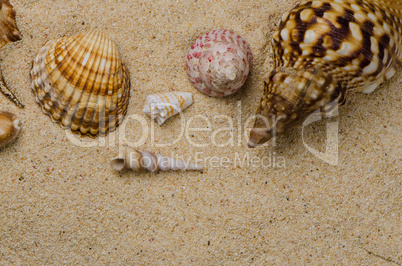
x=218, y=63
x=138, y=161
x=162, y=106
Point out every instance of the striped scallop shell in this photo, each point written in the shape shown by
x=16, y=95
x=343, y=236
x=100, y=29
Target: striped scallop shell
x=81, y=83
x=218, y=63
x=162, y=106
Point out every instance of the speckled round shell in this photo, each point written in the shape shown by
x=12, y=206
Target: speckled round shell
x=9, y=128
x=218, y=63
x=81, y=83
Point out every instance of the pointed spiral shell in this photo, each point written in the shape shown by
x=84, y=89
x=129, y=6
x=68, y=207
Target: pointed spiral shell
x=81, y=83
x=138, y=161
x=162, y=106
x=218, y=63
x=323, y=50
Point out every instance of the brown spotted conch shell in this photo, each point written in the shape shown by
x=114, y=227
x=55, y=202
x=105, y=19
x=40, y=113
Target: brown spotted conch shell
x=322, y=51
x=81, y=83
x=9, y=32
x=9, y=128
x=218, y=63
x=138, y=161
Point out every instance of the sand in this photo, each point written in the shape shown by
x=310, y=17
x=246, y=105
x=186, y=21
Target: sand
x=285, y=203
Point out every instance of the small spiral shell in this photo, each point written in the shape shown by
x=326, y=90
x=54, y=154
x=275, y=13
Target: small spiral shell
x=218, y=63
x=9, y=128
x=144, y=160
x=162, y=106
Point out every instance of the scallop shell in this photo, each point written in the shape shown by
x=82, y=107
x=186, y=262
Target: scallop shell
x=9, y=128
x=162, y=106
x=81, y=83
x=138, y=161
x=218, y=63
x=9, y=31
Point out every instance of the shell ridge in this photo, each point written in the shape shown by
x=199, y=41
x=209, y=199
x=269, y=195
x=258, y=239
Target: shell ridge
x=108, y=104
x=121, y=113
x=83, y=81
x=53, y=98
x=80, y=117
x=68, y=80
x=91, y=119
x=87, y=114
x=123, y=98
x=68, y=43
x=114, y=97
x=104, y=78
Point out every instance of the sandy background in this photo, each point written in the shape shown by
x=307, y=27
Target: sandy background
x=60, y=203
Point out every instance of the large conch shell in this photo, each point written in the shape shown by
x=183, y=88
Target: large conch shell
x=9, y=128
x=137, y=161
x=218, y=63
x=9, y=32
x=162, y=106
x=81, y=83
x=322, y=51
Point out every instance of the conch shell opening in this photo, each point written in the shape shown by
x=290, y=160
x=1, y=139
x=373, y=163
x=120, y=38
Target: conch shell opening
x=290, y=96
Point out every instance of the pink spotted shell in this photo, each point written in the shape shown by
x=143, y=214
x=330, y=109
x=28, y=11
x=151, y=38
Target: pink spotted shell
x=218, y=63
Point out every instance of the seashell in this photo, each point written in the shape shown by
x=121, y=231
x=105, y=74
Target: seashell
x=322, y=51
x=218, y=63
x=138, y=161
x=162, y=106
x=9, y=32
x=9, y=128
x=81, y=83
